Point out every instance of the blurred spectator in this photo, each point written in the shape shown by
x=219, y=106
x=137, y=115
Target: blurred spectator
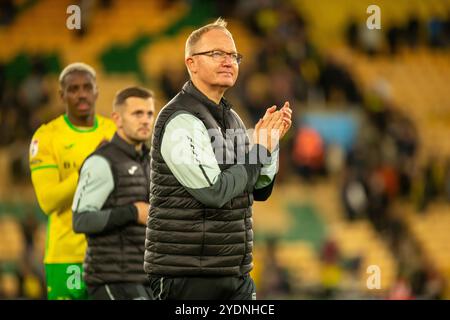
x=394, y=39
x=282, y=82
x=256, y=95
x=378, y=104
x=7, y=12
x=351, y=284
x=31, y=284
x=8, y=114
x=430, y=284
x=20, y=104
x=429, y=184
x=171, y=80
x=275, y=282
x=331, y=270
x=20, y=283
x=370, y=40
x=447, y=181
x=308, y=153
x=436, y=32
x=401, y=290
x=337, y=83
x=412, y=31
x=32, y=95
x=404, y=133
x=330, y=251
x=29, y=226
x=352, y=33
x=378, y=198
x=354, y=194
x=335, y=159
x=258, y=15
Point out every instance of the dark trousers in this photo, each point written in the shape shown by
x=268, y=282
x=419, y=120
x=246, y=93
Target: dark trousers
x=120, y=291
x=203, y=288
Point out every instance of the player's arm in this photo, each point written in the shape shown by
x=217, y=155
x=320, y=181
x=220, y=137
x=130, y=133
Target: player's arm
x=52, y=193
x=187, y=150
x=266, y=179
x=264, y=183
x=95, y=185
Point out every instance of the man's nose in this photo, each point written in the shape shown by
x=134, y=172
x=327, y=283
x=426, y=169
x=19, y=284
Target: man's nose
x=145, y=120
x=82, y=94
x=227, y=61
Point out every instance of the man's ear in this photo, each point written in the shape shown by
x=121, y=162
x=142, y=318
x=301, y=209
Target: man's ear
x=116, y=117
x=61, y=94
x=96, y=92
x=191, y=65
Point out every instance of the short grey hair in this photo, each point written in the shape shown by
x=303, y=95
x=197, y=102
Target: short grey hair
x=76, y=67
x=196, y=35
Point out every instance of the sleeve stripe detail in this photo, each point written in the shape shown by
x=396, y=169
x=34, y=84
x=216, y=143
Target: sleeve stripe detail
x=204, y=173
x=196, y=159
x=54, y=166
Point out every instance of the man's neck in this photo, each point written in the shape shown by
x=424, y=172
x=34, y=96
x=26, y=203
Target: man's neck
x=81, y=122
x=214, y=94
x=137, y=145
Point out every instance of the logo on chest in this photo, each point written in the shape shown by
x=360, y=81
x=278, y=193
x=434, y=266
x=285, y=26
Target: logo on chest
x=132, y=170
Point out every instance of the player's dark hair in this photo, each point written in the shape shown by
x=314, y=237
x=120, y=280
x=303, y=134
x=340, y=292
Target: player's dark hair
x=126, y=93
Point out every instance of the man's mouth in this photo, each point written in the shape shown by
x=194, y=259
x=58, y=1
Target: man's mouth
x=226, y=73
x=83, y=106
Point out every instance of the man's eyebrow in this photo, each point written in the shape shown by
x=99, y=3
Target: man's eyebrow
x=218, y=49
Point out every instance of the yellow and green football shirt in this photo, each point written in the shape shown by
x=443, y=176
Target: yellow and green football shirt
x=57, y=151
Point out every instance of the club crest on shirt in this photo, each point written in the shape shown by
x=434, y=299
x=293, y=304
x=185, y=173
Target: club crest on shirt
x=34, y=147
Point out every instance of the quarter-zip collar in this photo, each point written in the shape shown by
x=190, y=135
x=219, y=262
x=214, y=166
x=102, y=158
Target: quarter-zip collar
x=217, y=110
x=130, y=149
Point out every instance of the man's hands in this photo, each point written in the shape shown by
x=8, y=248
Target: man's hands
x=143, y=209
x=273, y=126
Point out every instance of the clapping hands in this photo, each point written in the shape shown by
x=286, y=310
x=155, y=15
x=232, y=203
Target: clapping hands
x=273, y=126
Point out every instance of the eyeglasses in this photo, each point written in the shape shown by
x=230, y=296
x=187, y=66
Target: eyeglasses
x=219, y=55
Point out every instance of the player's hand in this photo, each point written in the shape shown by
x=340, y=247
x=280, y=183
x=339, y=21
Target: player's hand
x=268, y=129
x=273, y=126
x=143, y=209
x=287, y=117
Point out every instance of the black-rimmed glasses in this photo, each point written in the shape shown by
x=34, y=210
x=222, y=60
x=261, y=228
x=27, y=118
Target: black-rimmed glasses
x=219, y=55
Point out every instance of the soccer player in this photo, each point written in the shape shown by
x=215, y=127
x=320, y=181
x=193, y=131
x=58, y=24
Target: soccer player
x=111, y=203
x=57, y=151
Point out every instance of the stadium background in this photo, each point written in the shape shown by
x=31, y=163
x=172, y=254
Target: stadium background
x=364, y=174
